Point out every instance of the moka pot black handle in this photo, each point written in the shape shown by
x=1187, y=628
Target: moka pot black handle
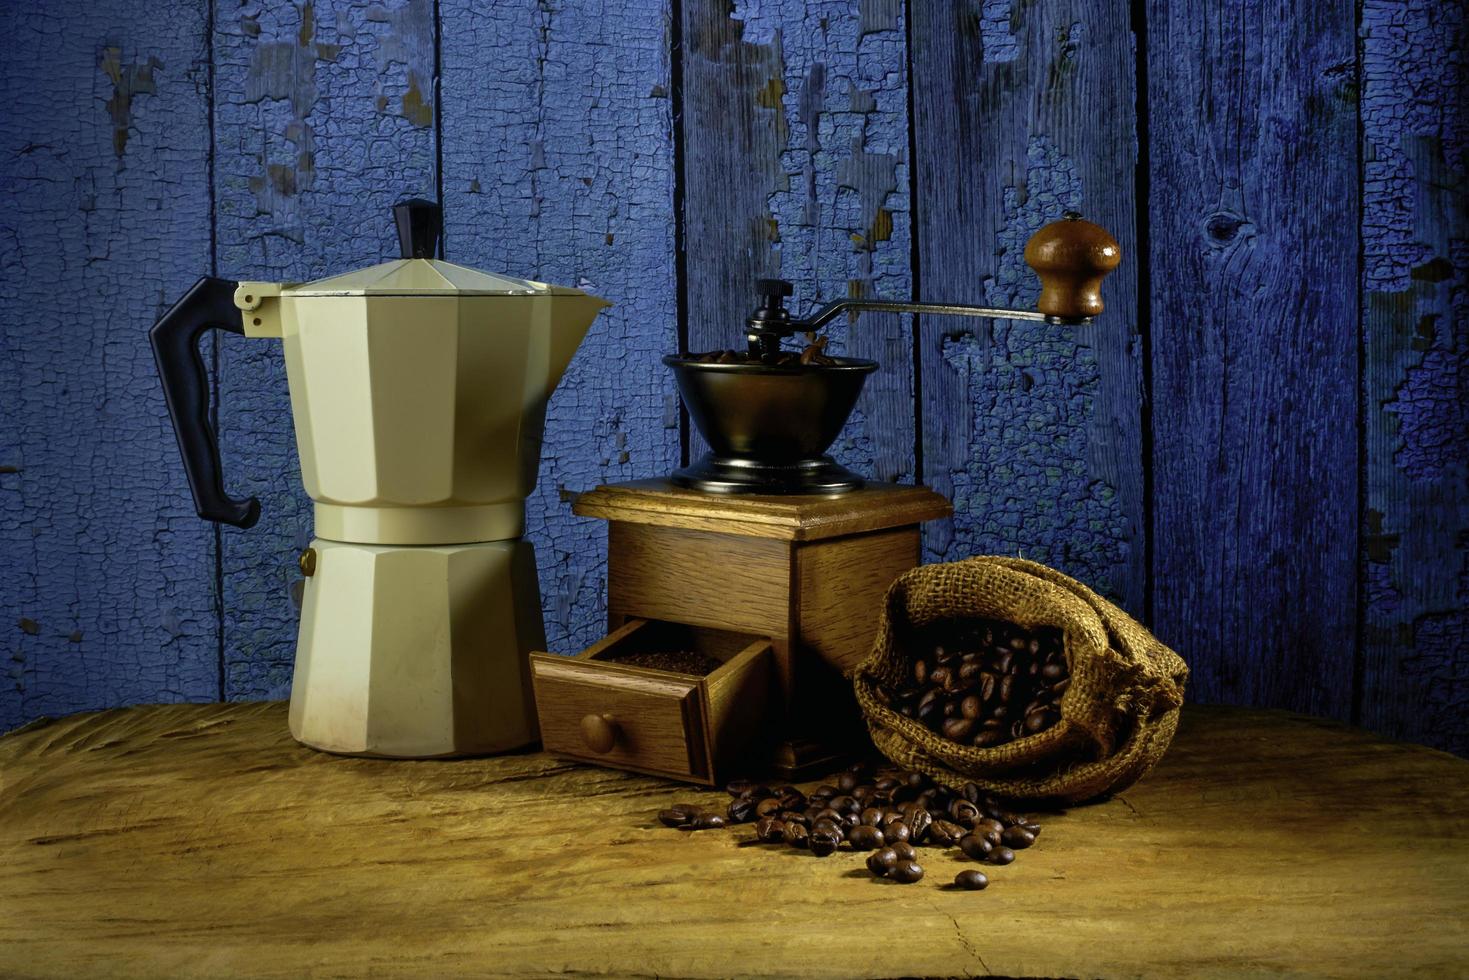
x=209, y=305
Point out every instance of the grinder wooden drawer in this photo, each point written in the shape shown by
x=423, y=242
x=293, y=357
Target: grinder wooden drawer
x=682, y=725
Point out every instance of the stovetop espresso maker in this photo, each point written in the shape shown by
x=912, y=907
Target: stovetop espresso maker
x=418, y=390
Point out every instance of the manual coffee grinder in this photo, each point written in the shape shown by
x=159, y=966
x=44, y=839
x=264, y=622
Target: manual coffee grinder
x=418, y=391
x=767, y=539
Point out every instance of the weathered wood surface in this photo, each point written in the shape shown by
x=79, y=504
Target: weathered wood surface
x=1033, y=430
x=795, y=145
x=106, y=576
x=1415, y=332
x=558, y=166
x=1254, y=343
x=323, y=118
x=193, y=840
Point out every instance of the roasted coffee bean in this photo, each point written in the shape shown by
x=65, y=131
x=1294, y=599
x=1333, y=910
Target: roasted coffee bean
x=920, y=671
x=939, y=676
x=971, y=707
x=972, y=880
x=989, y=823
x=847, y=782
x=896, y=831
x=827, y=813
x=673, y=817
x=865, y=838
x=706, y=821
x=1032, y=826
x=791, y=798
x=961, y=811
x=1001, y=855
x=906, y=872
x=945, y=833
x=1051, y=672
x=742, y=809
x=976, y=846
x=770, y=830
x=822, y=843
x=745, y=787
x=1017, y=837
x=796, y=835
x=883, y=861
x=904, y=850
x=843, y=803
x=767, y=807
x=958, y=729
x=988, y=738
x=919, y=822
x=1039, y=720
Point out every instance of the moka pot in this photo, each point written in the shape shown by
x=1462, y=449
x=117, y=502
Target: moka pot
x=418, y=392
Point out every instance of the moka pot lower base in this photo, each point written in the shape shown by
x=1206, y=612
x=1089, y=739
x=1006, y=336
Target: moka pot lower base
x=416, y=651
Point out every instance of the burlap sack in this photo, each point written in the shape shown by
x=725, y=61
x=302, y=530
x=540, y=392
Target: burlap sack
x=1117, y=716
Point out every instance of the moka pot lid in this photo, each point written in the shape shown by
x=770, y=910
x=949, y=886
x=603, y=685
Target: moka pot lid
x=419, y=272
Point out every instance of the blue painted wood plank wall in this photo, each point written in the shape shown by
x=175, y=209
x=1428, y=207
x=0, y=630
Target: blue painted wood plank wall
x=1263, y=448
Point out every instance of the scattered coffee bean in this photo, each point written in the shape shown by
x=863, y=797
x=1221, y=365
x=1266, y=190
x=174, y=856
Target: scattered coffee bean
x=707, y=821
x=882, y=861
x=1017, y=837
x=889, y=812
x=770, y=830
x=972, y=880
x=906, y=872
x=975, y=846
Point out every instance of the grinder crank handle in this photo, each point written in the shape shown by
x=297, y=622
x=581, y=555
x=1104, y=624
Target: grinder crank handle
x=1071, y=257
x=209, y=305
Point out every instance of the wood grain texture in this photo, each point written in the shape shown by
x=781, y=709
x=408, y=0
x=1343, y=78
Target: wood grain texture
x=796, y=517
x=840, y=585
x=1255, y=367
x=795, y=166
x=702, y=578
x=201, y=839
x=1415, y=330
x=1033, y=430
x=106, y=576
x=558, y=166
x=323, y=118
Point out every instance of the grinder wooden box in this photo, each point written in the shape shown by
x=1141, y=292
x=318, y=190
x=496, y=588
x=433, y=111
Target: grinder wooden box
x=807, y=572
x=687, y=726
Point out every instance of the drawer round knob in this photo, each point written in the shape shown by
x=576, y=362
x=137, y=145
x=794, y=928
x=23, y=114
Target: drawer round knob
x=599, y=732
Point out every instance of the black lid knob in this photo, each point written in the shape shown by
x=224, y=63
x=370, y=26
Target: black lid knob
x=420, y=223
x=773, y=287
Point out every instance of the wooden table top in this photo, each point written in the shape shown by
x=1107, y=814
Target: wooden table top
x=199, y=840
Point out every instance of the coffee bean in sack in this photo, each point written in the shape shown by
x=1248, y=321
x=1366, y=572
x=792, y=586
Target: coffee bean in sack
x=983, y=682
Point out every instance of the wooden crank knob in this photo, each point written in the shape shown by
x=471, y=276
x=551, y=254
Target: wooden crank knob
x=599, y=732
x=1071, y=257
